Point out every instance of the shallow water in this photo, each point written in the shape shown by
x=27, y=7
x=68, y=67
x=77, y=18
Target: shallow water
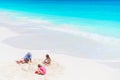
x=101, y=17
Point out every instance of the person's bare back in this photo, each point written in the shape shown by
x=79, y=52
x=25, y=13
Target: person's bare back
x=47, y=60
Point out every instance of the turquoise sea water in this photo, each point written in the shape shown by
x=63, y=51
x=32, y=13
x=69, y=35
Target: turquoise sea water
x=101, y=17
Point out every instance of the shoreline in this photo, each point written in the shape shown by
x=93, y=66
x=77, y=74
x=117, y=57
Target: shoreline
x=26, y=17
x=63, y=43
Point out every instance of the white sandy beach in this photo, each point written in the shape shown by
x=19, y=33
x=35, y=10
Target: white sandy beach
x=63, y=48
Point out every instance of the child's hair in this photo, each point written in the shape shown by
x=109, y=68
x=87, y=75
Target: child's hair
x=47, y=56
x=39, y=65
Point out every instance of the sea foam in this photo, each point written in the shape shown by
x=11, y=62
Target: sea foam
x=19, y=20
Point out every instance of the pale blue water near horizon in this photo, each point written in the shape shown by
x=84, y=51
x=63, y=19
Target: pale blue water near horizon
x=96, y=16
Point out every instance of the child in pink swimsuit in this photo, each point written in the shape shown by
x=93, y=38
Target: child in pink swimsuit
x=41, y=70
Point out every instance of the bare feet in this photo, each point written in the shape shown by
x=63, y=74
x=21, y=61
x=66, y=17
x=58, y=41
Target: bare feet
x=17, y=62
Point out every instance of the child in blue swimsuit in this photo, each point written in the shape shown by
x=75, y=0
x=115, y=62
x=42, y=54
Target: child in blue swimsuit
x=26, y=59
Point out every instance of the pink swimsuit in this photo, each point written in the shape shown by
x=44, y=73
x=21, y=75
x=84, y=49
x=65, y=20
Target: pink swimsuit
x=43, y=70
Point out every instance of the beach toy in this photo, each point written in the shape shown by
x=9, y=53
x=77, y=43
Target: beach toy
x=29, y=62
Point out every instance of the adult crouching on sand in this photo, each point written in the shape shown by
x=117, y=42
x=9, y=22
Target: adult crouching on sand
x=26, y=59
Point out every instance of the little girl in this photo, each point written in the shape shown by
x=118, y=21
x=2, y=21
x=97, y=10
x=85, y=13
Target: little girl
x=41, y=70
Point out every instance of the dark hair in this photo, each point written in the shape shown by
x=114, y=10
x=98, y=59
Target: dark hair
x=39, y=65
x=47, y=56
